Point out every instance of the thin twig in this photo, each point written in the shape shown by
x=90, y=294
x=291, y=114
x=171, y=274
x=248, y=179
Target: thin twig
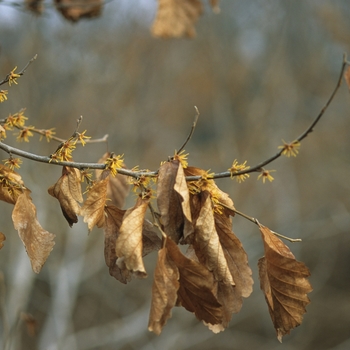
x=256, y=222
x=258, y=167
x=192, y=130
x=79, y=121
x=7, y=78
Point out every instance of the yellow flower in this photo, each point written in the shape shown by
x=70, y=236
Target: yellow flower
x=182, y=158
x=265, y=175
x=25, y=134
x=13, y=76
x=86, y=176
x=48, y=133
x=16, y=120
x=113, y=163
x=64, y=151
x=235, y=168
x=3, y=96
x=217, y=207
x=81, y=137
x=290, y=149
x=13, y=163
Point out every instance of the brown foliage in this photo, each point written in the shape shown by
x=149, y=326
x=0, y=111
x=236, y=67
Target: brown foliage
x=173, y=201
x=37, y=241
x=117, y=186
x=74, y=10
x=164, y=290
x=11, y=185
x=68, y=192
x=114, y=219
x=129, y=242
x=197, y=292
x=113, y=222
x=176, y=18
x=206, y=242
x=93, y=207
x=284, y=282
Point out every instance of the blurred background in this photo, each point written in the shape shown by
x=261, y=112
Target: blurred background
x=259, y=72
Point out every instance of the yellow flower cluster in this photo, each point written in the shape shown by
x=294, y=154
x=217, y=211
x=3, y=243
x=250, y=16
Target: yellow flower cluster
x=236, y=168
x=13, y=163
x=114, y=163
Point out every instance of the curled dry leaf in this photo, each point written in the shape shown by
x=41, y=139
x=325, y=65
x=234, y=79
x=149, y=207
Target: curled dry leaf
x=93, y=208
x=11, y=185
x=173, y=201
x=176, y=18
x=74, y=10
x=68, y=192
x=197, y=291
x=237, y=260
x=37, y=241
x=206, y=242
x=164, y=291
x=2, y=239
x=114, y=218
x=117, y=186
x=284, y=282
x=150, y=239
x=129, y=242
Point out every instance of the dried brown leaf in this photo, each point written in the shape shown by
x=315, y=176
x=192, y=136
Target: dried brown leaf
x=176, y=18
x=68, y=192
x=11, y=185
x=114, y=218
x=236, y=257
x=74, y=10
x=197, y=292
x=2, y=239
x=206, y=242
x=231, y=296
x=129, y=242
x=215, y=6
x=37, y=241
x=150, y=239
x=284, y=282
x=164, y=291
x=173, y=201
x=93, y=208
x=117, y=187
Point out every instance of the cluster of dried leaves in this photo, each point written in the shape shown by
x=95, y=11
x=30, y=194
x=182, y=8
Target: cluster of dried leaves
x=174, y=18
x=210, y=279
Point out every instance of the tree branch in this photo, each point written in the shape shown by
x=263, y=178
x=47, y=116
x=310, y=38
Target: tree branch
x=256, y=168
